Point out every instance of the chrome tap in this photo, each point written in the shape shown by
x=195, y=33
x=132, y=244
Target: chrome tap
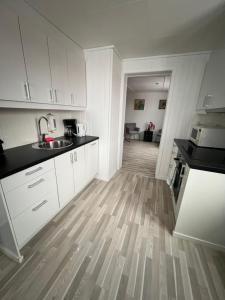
x=42, y=135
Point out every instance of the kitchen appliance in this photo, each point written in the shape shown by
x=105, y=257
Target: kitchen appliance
x=81, y=129
x=178, y=175
x=213, y=137
x=70, y=127
x=51, y=122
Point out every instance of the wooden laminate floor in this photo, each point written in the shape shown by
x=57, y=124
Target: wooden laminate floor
x=114, y=242
x=140, y=157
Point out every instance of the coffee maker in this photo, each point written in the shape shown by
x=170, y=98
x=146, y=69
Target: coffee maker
x=70, y=127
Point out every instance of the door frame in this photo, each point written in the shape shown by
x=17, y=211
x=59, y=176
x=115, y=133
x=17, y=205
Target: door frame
x=123, y=95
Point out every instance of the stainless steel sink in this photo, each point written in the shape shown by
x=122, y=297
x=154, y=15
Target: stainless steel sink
x=57, y=144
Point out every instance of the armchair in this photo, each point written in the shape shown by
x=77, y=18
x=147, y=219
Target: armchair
x=130, y=130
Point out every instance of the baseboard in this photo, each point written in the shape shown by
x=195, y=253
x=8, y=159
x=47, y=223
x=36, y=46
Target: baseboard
x=203, y=242
x=11, y=255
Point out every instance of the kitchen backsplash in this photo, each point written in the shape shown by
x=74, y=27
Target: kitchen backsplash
x=19, y=126
x=210, y=119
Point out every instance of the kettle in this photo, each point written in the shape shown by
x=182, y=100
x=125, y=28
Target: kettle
x=81, y=129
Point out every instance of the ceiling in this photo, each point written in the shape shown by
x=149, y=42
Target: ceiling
x=148, y=83
x=139, y=27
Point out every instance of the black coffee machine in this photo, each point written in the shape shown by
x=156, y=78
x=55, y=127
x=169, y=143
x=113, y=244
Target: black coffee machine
x=70, y=127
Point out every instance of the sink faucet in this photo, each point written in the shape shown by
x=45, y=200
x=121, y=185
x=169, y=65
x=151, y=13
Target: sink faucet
x=42, y=135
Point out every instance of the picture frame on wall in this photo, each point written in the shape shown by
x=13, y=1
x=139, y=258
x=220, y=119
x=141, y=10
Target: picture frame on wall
x=162, y=104
x=139, y=104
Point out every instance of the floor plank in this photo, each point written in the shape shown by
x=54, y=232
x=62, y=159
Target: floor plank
x=140, y=157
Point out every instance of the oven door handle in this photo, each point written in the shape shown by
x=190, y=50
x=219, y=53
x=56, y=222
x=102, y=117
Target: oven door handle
x=182, y=172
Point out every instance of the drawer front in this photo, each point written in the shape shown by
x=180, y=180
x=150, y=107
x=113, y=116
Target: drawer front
x=33, y=219
x=24, y=176
x=25, y=196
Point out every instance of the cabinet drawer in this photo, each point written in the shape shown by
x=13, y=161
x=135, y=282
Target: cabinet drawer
x=24, y=176
x=33, y=219
x=23, y=197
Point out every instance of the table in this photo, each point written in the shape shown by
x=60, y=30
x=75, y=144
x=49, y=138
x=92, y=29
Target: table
x=148, y=135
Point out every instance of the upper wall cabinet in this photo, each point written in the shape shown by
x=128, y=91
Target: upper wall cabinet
x=13, y=81
x=58, y=65
x=77, y=76
x=39, y=67
x=37, y=62
x=212, y=93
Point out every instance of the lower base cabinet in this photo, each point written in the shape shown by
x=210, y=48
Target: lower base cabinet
x=74, y=170
x=31, y=198
x=79, y=169
x=91, y=152
x=33, y=219
x=65, y=177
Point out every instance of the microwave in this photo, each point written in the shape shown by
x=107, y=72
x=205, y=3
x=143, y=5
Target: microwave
x=213, y=137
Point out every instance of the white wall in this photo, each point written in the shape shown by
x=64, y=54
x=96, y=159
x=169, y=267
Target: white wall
x=187, y=73
x=18, y=126
x=114, y=114
x=151, y=111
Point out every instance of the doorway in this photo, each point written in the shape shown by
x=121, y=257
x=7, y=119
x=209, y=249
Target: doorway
x=146, y=100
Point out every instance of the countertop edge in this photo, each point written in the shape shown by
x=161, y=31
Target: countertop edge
x=191, y=165
x=50, y=156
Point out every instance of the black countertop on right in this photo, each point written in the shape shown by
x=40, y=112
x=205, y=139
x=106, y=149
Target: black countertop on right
x=207, y=159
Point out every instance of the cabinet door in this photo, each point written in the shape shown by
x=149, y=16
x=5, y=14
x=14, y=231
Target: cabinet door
x=37, y=61
x=65, y=177
x=212, y=94
x=79, y=169
x=77, y=77
x=58, y=65
x=91, y=151
x=13, y=75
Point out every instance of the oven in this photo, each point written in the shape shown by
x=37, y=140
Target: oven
x=178, y=175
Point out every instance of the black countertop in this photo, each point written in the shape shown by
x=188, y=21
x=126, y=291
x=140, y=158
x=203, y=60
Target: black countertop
x=207, y=159
x=19, y=158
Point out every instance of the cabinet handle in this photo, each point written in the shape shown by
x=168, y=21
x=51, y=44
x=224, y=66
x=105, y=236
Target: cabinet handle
x=51, y=96
x=33, y=171
x=56, y=99
x=30, y=186
x=72, y=98
x=93, y=144
x=71, y=158
x=75, y=156
x=27, y=93
x=39, y=205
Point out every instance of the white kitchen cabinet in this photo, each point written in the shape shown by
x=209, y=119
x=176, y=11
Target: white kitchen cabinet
x=34, y=218
x=91, y=152
x=65, y=177
x=31, y=199
x=36, y=56
x=201, y=215
x=30, y=193
x=103, y=94
x=11, y=182
x=79, y=169
x=77, y=76
x=212, y=93
x=59, y=74
x=74, y=170
x=13, y=80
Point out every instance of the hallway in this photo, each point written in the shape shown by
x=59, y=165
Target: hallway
x=140, y=157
